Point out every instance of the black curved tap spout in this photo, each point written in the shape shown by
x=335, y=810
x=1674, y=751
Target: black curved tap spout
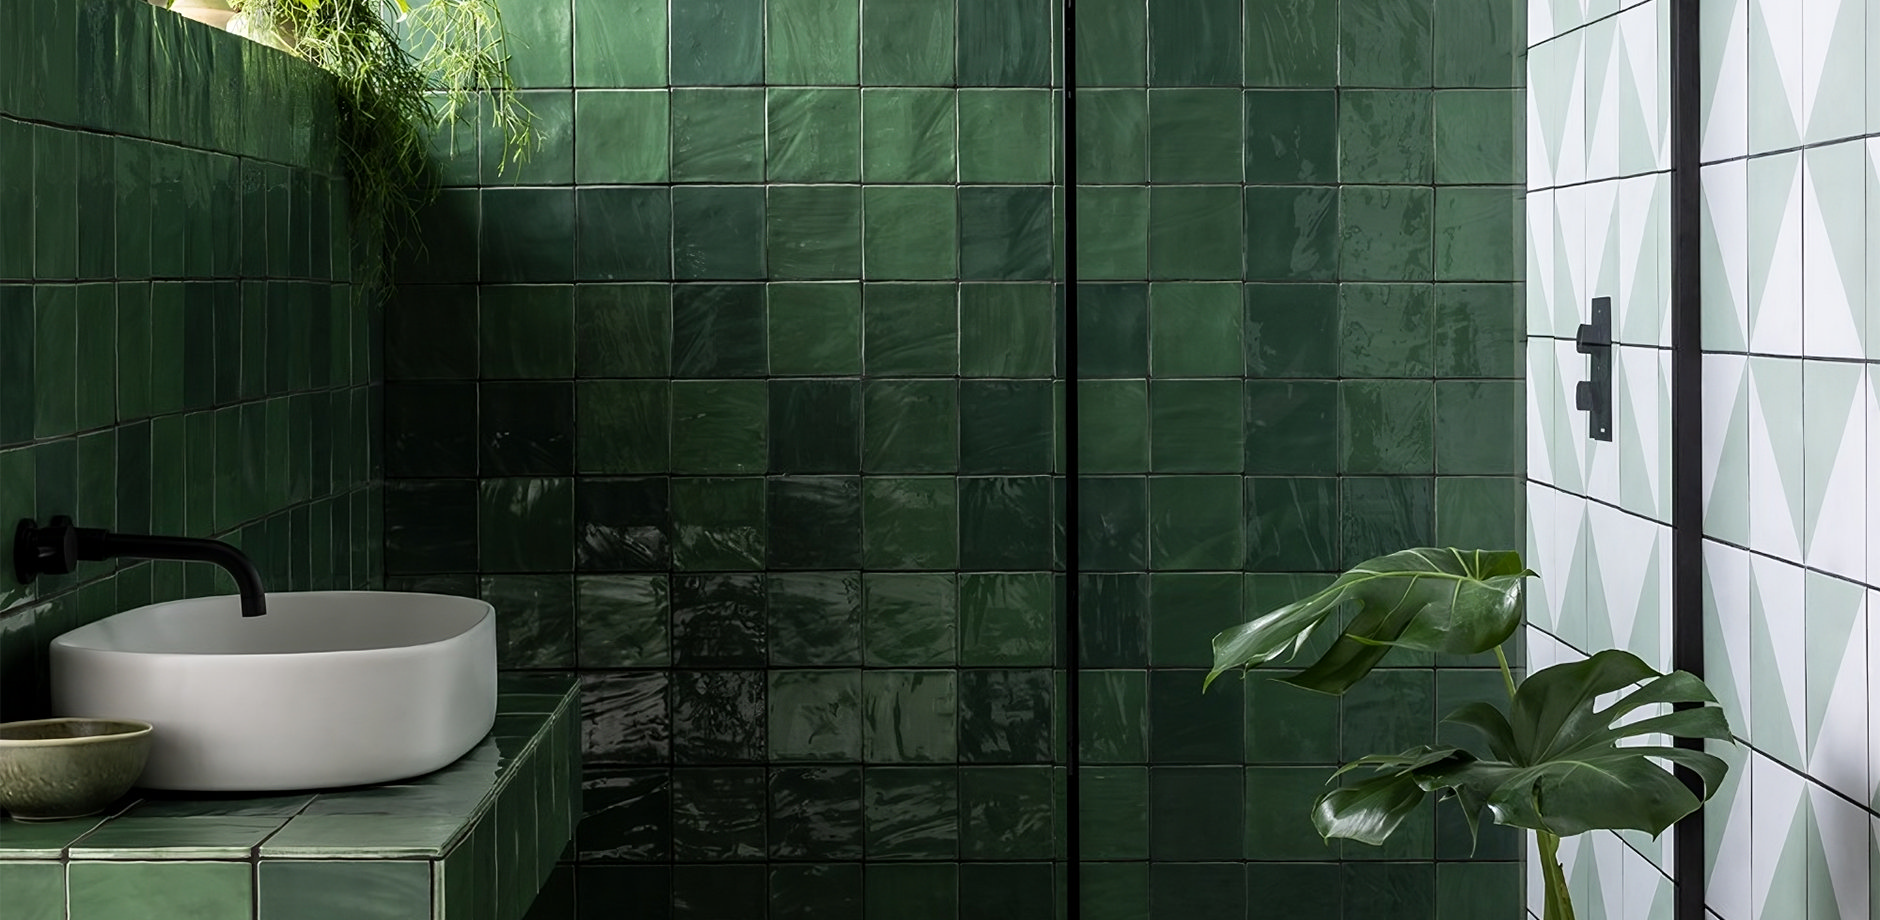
x=60, y=546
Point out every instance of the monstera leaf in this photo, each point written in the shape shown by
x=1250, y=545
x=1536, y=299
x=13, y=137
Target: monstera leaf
x=1437, y=600
x=1556, y=764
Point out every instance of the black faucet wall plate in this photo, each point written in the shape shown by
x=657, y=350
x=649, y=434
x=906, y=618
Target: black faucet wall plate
x=1594, y=395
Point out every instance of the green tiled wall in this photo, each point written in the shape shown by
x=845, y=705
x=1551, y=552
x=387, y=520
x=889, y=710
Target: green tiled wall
x=1299, y=327
x=180, y=348
x=738, y=399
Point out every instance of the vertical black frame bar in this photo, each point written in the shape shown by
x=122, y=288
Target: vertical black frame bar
x=1072, y=654
x=1687, y=401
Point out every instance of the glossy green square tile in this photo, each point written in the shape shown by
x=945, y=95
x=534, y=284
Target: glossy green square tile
x=720, y=44
x=1291, y=426
x=1006, y=330
x=527, y=234
x=1114, y=535
x=1195, y=330
x=1291, y=136
x=1384, y=136
x=803, y=892
x=1195, y=813
x=1479, y=511
x=1385, y=44
x=1000, y=132
x=1008, y=813
x=911, y=329
x=1194, y=522
x=1385, y=233
x=1113, y=330
x=1471, y=890
x=907, y=43
x=551, y=161
x=717, y=135
x=138, y=837
x=811, y=42
x=525, y=525
x=814, y=232
x=208, y=890
x=1477, y=43
x=622, y=621
x=1113, y=728
x=1186, y=610
x=908, y=716
x=816, y=813
x=1195, y=44
x=1112, y=135
x=815, y=329
x=718, y=330
x=1115, y=891
x=1027, y=889
x=1292, y=233
x=1292, y=44
x=1194, y=135
x=1012, y=428
x=917, y=892
x=538, y=38
x=1386, y=426
x=910, y=619
x=1194, y=232
x=534, y=619
x=815, y=522
x=1386, y=329
x=1006, y=618
x=40, y=840
x=1187, y=726
x=1116, y=823
x=1195, y=426
x=525, y=428
x=293, y=889
x=718, y=621
x=1113, y=232
x=1005, y=233
x=1291, y=330
x=620, y=43
x=1292, y=524
x=1288, y=725
x=910, y=523
x=815, y=134
x=621, y=137
x=1113, y=434
x=1479, y=330
x=815, y=618
x=719, y=891
x=434, y=529
x=1279, y=824
x=1379, y=515
x=815, y=426
x=1110, y=37
x=35, y=890
x=815, y=715
x=910, y=426
x=909, y=232
x=1004, y=43
x=622, y=330
x=718, y=524
x=718, y=232
x=1006, y=522
x=1474, y=239
x=1476, y=136
x=526, y=332
x=720, y=426
x=1479, y=427
x=627, y=811
x=717, y=718
x=909, y=135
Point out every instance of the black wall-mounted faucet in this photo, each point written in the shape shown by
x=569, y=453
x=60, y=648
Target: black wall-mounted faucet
x=59, y=547
x=1594, y=396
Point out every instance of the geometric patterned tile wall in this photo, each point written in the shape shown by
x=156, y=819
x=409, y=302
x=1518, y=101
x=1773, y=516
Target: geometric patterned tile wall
x=1790, y=418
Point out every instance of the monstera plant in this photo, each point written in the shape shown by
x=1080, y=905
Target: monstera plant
x=1575, y=749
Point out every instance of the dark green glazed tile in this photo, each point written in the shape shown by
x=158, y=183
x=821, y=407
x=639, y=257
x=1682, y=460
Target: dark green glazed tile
x=1113, y=330
x=1005, y=43
x=1006, y=522
x=1115, y=824
x=1196, y=891
x=1292, y=426
x=1114, y=524
x=815, y=618
x=431, y=429
x=431, y=526
x=911, y=330
x=815, y=522
x=1195, y=426
x=525, y=525
x=1468, y=891
x=1479, y=427
x=1405, y=890
x=1114, y=725
x=295, y=889
x=718, y=330
x=915, y=892
x=206, y=837
x=910, y=523
x=208, y=890
x=910, y=619
x=448, y=228
x=909, y=232
x=55, y=360
x=1380, y=515
x=430, y=332
x=550, y=161
x=1112, y=135
x=1291, y=136
x=816, y=813
x=1292, y=44
x=1008, y=812
x=719, y=524
x=1386, y=426
x=527, y=234
x=620, y=43
x=1011, y=429
x=35, y=890
x=1292, y=524
x=814, y=232
x=912, y=813
x=1279, y=817
x=717, y=891
x=1479, y=331
x=1195, y=44
x=1195, y=813
x=1385, y=233
x=526, y=332
x=908, y=135
x=1005, y=233
x=817, y=891
x=1292, y=233
x=1115, y=891
x=717, y=135
x=718, y=232
x=623, y=234
x=908, y=716
x=622, y=621
x=1006, y=618
x=1194, y=135
x=628, y=814
x=1479, y=511
x=1007, y=330
x=1477, y=236
x=1385, y=44
x=720, y=426
x=1291, y=330
x=718, y=44
x=1113, y=232
x=816, y=715
x=718, y=620
x=718, y=814
x=1110, y=37
x=539, y=36
x=1195, y=330
x=1386, y=329
x=1008, y=890
x=999, y=135
x=1384, y=136
x=1186, y=610
x=1296, y=889
x=1288, y=725
x=1194, y=232
x=621, y=137
x=717, y=717
x=55, y=203
x=526, y=428
x=815, y=426
x=1194, y=522
x=810, y=42
x=623, y=426
x=1477, y=43
x=1475, y=136
x=910, y=426
x=1113, y=434
x=907, y=43
x=815, y=329
x=815, y=134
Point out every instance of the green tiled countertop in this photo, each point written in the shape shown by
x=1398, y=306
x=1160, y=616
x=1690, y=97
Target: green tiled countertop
x=473, y=841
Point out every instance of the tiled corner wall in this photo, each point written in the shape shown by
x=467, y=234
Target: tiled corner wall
x=738, y=399
x=180, y=348
x=1299, y=347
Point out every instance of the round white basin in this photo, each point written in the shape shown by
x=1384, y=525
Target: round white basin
x=330, y=688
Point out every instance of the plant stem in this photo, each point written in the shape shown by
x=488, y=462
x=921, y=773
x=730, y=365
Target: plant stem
x=1507, y=676
x=1559, y=903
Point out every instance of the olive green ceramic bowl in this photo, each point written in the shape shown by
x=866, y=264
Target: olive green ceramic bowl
x=68, y=768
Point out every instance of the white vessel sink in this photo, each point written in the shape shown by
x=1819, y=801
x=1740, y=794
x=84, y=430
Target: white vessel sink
x=333, y=688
